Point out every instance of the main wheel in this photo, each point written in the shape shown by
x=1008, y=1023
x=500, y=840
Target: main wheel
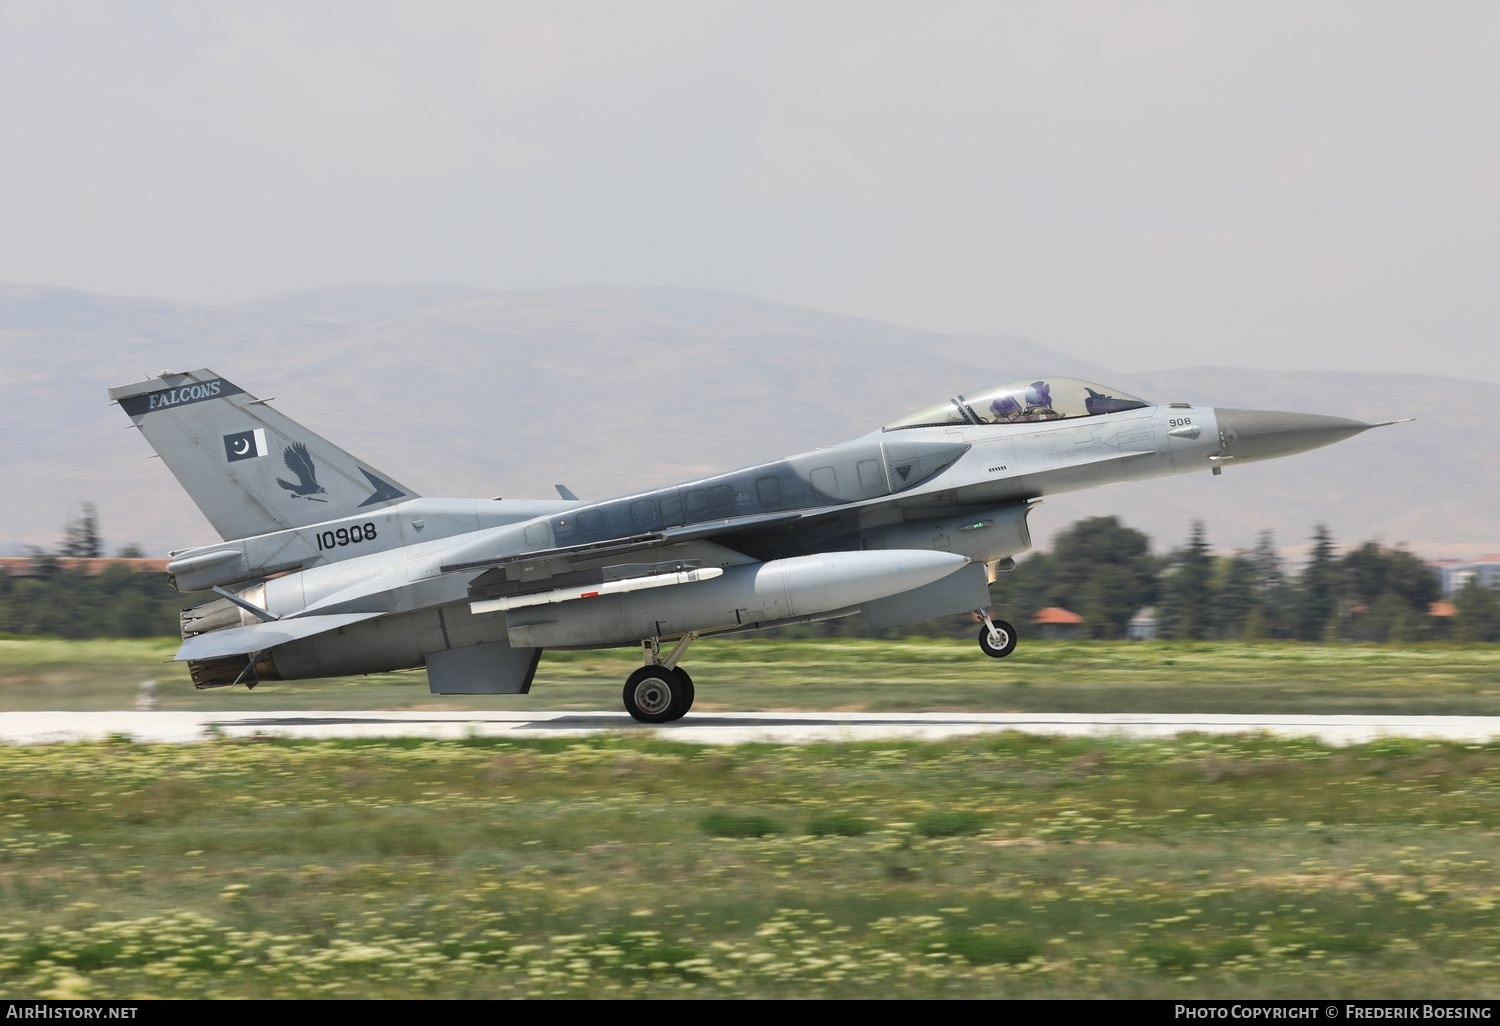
x=654, y=693
x=680, y=710
x=998, y=643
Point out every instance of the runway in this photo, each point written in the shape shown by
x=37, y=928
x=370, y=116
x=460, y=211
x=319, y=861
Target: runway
x=717, y=728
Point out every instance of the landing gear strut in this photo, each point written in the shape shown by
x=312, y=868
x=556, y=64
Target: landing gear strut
x=660, y=691
x=997, y=638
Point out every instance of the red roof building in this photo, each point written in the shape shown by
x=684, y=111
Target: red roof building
x=1057, y=622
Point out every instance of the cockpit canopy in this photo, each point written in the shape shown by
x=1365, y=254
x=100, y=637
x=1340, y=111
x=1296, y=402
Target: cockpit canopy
x=1023, y=402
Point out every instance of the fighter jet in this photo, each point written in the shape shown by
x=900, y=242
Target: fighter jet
x=347, y=571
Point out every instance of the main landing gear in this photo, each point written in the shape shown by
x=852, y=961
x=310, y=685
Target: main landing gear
x=997, y=638
x=661, y=691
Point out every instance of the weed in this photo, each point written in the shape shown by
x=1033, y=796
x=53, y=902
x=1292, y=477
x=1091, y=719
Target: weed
x=730, y=824
x=989, y=948
x=841, y=824
x=949, y=824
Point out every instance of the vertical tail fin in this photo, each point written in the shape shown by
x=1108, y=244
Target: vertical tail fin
x=250, y=470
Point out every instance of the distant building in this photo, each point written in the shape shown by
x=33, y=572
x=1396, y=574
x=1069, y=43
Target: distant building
x=35, y=566
x=1455, y=573
x=1057, y=622
x=1142, y=626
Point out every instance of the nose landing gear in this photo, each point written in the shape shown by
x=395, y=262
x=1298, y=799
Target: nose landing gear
x=997, y=638
x=660, y=691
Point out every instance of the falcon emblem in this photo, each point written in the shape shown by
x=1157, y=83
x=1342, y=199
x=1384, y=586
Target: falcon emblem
x=299, y=462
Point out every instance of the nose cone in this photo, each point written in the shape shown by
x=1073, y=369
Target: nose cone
x=1264, y=434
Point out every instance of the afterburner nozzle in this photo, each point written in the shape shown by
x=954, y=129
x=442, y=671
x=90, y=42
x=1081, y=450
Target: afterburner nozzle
x=1250, y=435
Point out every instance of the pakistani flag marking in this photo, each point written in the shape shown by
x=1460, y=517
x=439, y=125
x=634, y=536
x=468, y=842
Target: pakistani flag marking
x=245, y=445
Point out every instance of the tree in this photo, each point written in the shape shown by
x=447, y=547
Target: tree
x=1269, y=576
x=1389, y=618
x=1103, y=571
x=1275, y=604
x=81, y=536
x=1318, y=589
x=1236, y=610
x=1390, y=591
x=1478, y=612
x=121, y=602
x=1187, y=589
x=1371, y=571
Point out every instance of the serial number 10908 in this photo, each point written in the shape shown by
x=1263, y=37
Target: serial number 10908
x=346, y=536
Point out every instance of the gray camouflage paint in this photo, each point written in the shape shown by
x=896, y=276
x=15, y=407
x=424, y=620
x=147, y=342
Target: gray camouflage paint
x=311, y=532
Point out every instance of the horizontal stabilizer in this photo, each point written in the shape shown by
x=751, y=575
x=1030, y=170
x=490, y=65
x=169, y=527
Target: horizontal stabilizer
x=259, y=637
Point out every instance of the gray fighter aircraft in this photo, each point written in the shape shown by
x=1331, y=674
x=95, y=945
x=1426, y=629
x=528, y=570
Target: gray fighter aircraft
x=330, y=567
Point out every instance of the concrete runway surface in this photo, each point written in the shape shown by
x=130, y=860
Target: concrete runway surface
x=718, y=728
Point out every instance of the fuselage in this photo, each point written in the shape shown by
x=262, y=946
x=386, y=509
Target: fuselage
x=331, y=566
x=964, y=489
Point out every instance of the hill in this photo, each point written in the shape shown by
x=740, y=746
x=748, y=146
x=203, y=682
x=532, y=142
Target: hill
x=470, y=392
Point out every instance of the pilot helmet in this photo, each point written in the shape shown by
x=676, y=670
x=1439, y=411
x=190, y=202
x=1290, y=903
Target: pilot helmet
x=1039, y=394
x=1005, y=406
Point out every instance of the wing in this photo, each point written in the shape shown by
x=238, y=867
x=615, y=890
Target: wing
x=539, y=566
x=618, y=546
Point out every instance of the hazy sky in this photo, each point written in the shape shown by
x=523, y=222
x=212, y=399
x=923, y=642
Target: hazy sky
x=1278, y=185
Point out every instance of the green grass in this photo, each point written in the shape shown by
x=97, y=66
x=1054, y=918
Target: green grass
x=1002, y=866
x=900, y=676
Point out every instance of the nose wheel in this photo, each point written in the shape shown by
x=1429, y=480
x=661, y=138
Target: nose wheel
x=997, y=639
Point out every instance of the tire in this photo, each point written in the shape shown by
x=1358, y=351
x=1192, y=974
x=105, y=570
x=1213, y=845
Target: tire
x=1007, y=640
x=680, y=708
x=654, y=693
